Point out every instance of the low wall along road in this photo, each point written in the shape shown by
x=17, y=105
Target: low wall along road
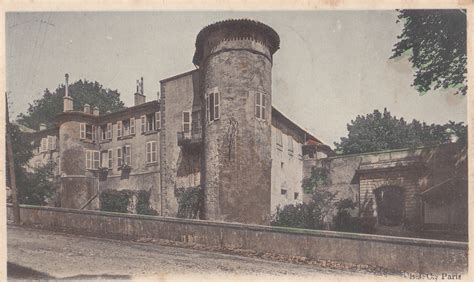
x=406, y=254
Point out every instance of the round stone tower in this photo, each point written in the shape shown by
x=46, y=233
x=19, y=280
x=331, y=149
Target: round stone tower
x=235, y=61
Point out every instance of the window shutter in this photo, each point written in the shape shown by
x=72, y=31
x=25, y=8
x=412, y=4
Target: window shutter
x=158, y=120
x=82, y=134
x=96, y=155
x=109, y=131
x=119, y=157
x=132, y=126
x=153, y=152
x=263, y=96
x=119, y=128
x=217, y=99
x=186, y=121
x=143, y=123
x=88, y=159
x=94, y=131
x=208, y=114
x=111, y=158
x=148, y=152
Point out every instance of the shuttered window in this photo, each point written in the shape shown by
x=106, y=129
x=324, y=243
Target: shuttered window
x=158, y=120
x=260, y=104
x=213, y=106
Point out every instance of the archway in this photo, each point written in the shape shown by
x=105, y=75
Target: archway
x=390, y=205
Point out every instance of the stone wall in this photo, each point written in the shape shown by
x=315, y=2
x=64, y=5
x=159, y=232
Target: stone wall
x=287, y=172
x=413, y=170
x=420, y=255
x=178, y=94
x=237, y=147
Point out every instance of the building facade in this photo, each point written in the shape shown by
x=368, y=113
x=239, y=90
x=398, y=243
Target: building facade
x=214, y=128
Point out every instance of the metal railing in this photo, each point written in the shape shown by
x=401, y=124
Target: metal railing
x=188, y=137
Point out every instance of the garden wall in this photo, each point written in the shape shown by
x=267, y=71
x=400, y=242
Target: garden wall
x=407, y=254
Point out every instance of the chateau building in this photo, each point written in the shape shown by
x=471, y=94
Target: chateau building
x=213, y=128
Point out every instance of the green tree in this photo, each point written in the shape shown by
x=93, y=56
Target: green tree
x=436, y=43
x=44, y=110
x=382, y=131
x=34, y=188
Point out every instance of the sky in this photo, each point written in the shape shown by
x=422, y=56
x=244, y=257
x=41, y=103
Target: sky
x=331, y=66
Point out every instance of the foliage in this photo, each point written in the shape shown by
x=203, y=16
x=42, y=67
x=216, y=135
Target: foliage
x=44, y=110
x=312, y=215
x=342, y=220
x=436, y=41
x=143, y=203
x=318, y=178
x=36, y=188
x=22, y=148
x=382, y=131
x=115, y=200
x=190, y=201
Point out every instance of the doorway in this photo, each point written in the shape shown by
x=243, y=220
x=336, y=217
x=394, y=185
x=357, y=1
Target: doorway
x=390, y=205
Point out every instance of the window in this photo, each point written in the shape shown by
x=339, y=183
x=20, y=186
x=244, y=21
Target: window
x=260, y=105
x=58, y=165
x=127, y=154
x=104, y=161
x=158, y=120
x=44, y=145
x=296, y=195
x=283, y=191
x=151, y=152
x=143, y=123
x=290, y=145
x=212, y=106
x=186, y=121
x=119, y=157
x=125, y=127
x=87, y=131
x=51, y=143
x=279, y=139
x=92, y=159
x=103, y=132
x=109, y=131
x=150, y=122
x=119, y=128
x=132, y=126
x=110, y=158
x=82, y=134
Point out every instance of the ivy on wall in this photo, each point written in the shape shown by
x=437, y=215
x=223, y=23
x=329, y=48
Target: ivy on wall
x=115, y=201
x=319, y=177
x=190, y=201
x=143, y=203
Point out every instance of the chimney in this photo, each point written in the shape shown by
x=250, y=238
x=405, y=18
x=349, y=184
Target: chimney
x=95, y=111
x=67, y=101
x=139, y=96
x=42, y=126
x=87, y=108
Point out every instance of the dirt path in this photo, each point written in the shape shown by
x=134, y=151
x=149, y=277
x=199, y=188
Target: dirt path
x=44, y=254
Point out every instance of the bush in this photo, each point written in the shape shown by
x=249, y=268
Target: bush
x=190, y=201
x=299, y=216
x=115, y=201
x=143, y=203
x=343, y=219
x=36, y=188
